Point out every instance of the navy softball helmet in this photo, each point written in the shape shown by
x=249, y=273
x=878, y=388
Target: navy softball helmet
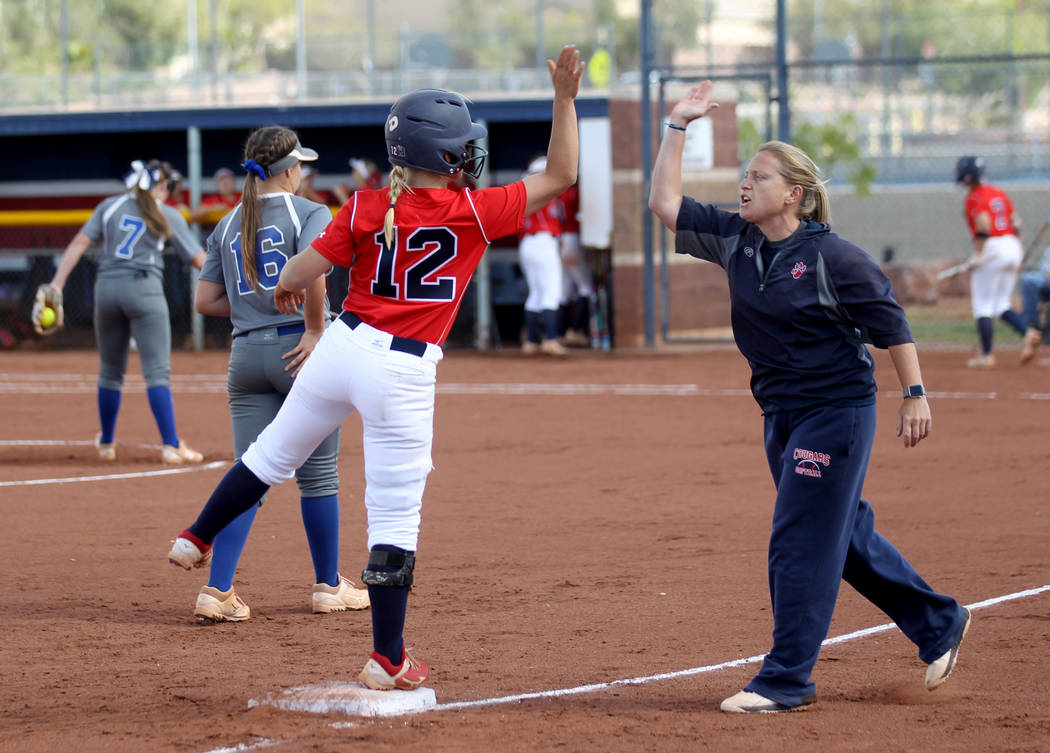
x=431, y=129
x=969, y=168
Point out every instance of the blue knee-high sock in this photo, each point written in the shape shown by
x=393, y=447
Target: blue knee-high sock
x=1015, y=321
x=389, y=605
x=550, y=323
x=581, y=314
x=985, y=330
x=108, y=408
x=163, y=408
x=227, y=549
x=532, y=326
x=238, y=490
x=321, y=521
x=563, y=318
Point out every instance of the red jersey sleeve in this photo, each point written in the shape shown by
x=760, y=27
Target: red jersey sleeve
x=500, y=210
x=335, y=242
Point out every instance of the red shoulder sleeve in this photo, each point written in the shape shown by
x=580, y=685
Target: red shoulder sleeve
x=500, y=210
x=336, y=242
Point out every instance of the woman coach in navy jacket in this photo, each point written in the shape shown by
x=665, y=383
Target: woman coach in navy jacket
x=804, y=304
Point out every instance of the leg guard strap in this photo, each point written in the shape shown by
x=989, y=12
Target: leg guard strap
x=396, y=569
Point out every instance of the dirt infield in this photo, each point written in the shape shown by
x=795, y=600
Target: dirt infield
x=588, y=521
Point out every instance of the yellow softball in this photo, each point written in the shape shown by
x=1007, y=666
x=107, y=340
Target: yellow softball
x=47, y=317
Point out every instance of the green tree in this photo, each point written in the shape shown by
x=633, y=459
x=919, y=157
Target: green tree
x=829, y=144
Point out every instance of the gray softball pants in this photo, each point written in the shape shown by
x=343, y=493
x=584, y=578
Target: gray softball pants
x=256, y=385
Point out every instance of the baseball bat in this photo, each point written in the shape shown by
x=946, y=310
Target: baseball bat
x=953, y=271
x=1034, y=244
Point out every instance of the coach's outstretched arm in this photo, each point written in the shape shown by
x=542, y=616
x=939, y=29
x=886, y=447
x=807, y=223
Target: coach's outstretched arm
x=563, y=151
x=665, y=193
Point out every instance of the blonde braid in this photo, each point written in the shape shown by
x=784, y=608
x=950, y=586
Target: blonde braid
x=397, y=185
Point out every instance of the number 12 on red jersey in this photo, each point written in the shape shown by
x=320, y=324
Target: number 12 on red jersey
x=403, y=275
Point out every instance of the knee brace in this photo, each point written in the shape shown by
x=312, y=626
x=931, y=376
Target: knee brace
x=401, y=562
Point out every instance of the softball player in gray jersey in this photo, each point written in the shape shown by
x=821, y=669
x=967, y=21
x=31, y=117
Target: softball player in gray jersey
x=134, y=229
x=268, y=349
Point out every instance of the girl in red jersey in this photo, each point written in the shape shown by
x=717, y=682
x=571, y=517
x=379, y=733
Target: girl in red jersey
x=993, y=225
x=411, y=249
x=541, y=264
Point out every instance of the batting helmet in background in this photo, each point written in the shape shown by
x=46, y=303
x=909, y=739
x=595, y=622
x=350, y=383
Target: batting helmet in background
x=431, y=129
x=969, y=168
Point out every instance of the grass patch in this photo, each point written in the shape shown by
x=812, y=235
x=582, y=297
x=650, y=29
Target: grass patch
x=950, y=322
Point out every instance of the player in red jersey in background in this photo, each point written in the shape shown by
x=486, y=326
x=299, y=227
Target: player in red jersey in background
x=541, y=264
x=994, y=227
x=577, y=283
x=412, y=248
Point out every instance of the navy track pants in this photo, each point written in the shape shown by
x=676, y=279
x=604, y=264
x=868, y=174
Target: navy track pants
x=823, y=533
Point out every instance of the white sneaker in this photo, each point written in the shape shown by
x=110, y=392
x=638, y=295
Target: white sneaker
x=180, y=455
x=553, y=348
x=107, y=453
x=1032, y=339
x=185, y=554
x=214, y=605
x=328, y=599
x=746, y=702
x=939, y=669
x=982, y=361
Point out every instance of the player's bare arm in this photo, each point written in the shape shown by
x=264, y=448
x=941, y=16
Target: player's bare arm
x=211, y=299
x=70, y=257
x=301, y=270
x=313, y=318
x=665, y=194
x=563, y=151
x=913, y=420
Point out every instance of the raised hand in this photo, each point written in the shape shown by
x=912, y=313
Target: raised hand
x=566, y=73
x=695, y=104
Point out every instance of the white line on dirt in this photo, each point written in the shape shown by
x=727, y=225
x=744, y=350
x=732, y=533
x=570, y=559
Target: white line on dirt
x=117, y=476
x=702, y=670
x=73, y=384
x=594, y=687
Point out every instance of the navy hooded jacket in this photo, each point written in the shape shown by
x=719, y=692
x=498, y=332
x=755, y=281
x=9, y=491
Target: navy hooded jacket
x=804, y=320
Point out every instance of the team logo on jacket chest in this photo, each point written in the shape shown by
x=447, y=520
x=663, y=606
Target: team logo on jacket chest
x=798, y=270
x=808, y=462
x=749, y=252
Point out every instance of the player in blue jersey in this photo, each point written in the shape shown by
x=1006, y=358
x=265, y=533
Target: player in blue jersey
x=804, y=305
x=133, y=230
x=246, y=253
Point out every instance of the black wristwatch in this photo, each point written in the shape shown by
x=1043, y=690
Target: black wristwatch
x=915, y=390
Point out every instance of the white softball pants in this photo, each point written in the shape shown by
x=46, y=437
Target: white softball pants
x=541, y=264
x=355, y=370
x=576, y=271
x=992, y=282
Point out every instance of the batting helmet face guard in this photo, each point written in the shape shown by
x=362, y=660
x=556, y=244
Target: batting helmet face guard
x=969, y=169
x=431, y=129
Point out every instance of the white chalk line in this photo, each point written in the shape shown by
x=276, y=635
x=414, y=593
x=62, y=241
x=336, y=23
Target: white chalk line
x=594, y=687
x=599, y=686
x=118, y=476
x=75, y=384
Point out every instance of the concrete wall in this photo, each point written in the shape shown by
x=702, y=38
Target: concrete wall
x=925, y=222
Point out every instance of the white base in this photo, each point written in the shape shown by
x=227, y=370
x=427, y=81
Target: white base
x=351, y=698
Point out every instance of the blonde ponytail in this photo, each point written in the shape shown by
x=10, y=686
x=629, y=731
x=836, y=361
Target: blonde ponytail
x=797, y=168
x=397, y=185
